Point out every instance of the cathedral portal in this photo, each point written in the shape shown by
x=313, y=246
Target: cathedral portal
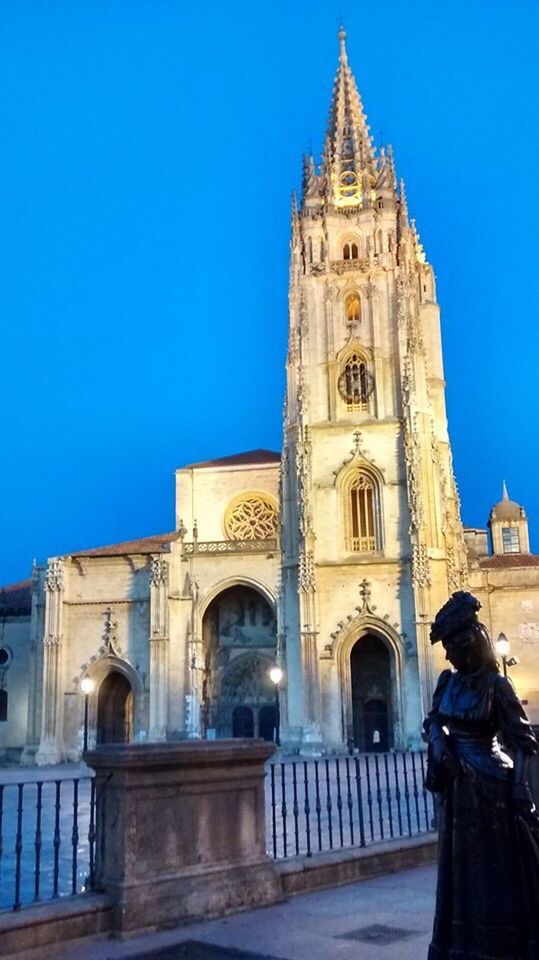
x=239, y=636
x=115, y=709
x=372, y=709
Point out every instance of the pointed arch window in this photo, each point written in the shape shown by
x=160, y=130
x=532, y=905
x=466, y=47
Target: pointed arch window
x=353, y=308
x=350, y=250
x=3, y=705
x=356, y=383
x=362, y=514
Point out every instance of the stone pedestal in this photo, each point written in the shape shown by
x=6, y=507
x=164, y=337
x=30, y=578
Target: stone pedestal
x=181, y=830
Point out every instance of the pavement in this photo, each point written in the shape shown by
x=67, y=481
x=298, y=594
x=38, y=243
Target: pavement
x=57, y=771
x=387, y=918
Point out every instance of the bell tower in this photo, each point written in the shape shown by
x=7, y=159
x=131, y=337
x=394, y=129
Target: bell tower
x=371, y=534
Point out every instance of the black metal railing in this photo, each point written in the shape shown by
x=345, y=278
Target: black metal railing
x=47, y=840
x=315, y=806
x=48, y=827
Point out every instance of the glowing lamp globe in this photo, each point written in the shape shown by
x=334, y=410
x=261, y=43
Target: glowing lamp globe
x=276, y=675
x=502, y=645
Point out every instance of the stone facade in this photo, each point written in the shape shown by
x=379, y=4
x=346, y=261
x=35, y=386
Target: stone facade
x=329, y=559
x=507, y=584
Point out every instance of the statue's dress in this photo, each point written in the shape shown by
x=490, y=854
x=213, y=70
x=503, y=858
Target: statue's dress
x=487, y=898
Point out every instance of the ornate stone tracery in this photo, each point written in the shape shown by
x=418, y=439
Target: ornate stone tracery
x=159, y=572
x=252, y=516
x=306, y=571
x=247, y=680
x=54, y=577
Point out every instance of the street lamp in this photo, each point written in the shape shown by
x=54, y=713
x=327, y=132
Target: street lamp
x=87, y=686
x=276, y=675
x=503, y=649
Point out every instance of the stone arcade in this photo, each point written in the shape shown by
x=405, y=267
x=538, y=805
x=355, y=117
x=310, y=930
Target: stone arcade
x=330, y=558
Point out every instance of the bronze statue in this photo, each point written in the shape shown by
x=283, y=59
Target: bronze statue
x=487, y=898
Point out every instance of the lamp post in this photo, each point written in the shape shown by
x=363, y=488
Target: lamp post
x=503, y=649
x=276, y=675
x=87, y=686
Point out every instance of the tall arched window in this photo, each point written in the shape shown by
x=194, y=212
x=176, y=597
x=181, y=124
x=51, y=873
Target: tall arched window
x=3, y=705
x=353, y=308
x=355, y=383
x=361, y=525
x=350, y=250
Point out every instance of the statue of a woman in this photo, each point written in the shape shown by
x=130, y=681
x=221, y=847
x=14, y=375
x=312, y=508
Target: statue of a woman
x=487, y=899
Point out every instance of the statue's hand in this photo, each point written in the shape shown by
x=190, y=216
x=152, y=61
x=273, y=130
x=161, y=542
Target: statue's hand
x=443, y=755
x=451, y=763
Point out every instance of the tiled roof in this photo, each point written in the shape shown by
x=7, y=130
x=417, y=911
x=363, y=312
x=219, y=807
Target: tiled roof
x=509, y=560
x=239, y=459
x=16, y=599
x=156, y=544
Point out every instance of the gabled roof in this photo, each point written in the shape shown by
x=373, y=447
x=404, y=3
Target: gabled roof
x=238, y=459
x=505, y=561
x=16, y=599
x=155, y=544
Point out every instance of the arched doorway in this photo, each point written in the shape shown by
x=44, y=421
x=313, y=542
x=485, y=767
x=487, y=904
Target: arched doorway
x=375, y=725
x=372, y=712
x=239, y=635
x=243, y=722
x=115, y=709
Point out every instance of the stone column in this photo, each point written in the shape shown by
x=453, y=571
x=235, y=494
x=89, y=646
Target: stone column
x=194, y=701
x=181, y=830
x=51, y=742
x=33, y=729
x=159, y=649
x=312, y=703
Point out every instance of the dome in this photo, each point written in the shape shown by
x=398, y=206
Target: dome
x=507, y=509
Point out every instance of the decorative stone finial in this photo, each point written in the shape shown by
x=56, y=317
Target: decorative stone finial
x=342, y=42
x=505, y=495
x=403, y=204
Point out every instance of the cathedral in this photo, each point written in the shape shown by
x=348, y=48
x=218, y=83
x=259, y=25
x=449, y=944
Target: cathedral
x=328, y=559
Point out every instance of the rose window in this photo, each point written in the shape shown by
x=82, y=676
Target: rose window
x=253, y=517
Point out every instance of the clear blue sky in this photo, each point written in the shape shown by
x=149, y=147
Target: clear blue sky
x=149, y=151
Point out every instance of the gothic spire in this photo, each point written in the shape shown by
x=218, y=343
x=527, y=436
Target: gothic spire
x=349, y=161
x=403, y=218
x=310, y=185
x=386, y=171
